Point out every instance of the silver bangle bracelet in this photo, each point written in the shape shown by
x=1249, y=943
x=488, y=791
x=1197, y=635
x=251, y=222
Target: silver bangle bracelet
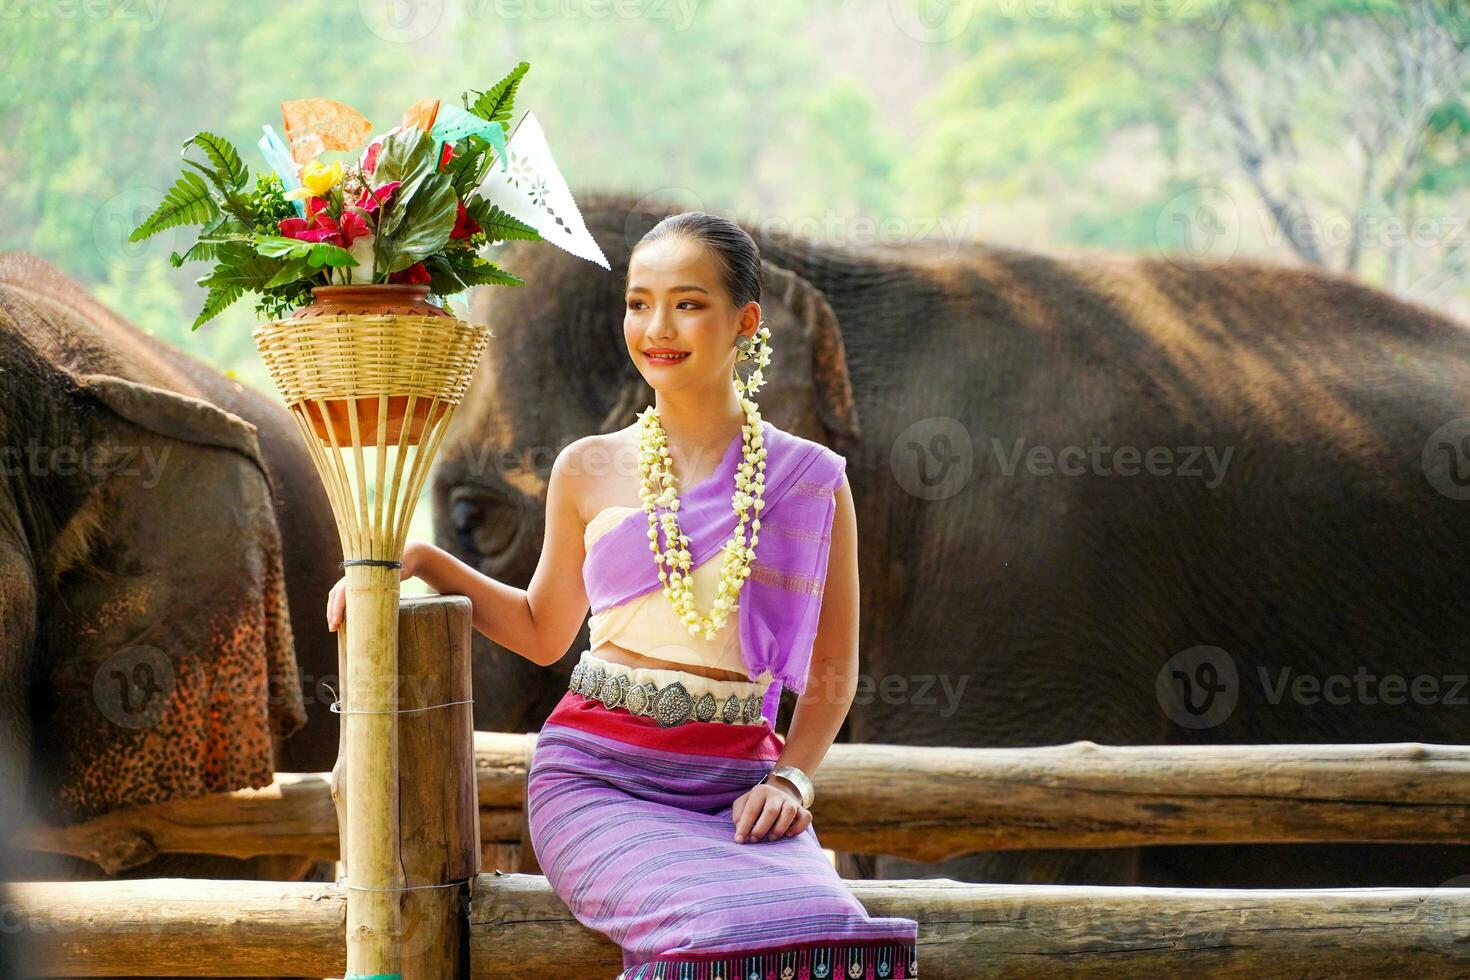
x=798, y=779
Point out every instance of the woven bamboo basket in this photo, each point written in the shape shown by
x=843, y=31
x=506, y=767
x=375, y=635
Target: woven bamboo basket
x=368, y=389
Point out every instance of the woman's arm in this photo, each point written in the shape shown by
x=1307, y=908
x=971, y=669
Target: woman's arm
x=538, y=622
x=833, y=674
x=766, y=812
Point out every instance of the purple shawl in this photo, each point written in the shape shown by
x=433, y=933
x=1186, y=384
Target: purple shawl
x=779, y=603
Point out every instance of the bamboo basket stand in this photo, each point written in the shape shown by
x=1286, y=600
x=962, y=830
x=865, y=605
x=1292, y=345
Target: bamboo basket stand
x=341, y=375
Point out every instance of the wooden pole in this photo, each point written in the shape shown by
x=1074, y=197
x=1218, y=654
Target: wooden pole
x=375, y=872
x=439, y=813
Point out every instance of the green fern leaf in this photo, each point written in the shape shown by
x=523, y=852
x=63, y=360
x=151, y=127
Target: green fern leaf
x=496, y=102
x=187, y=203
x=219, y=298
x=497, y=224
x=229, y=169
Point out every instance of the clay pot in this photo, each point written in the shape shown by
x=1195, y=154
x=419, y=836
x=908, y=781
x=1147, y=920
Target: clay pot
x=370, y=298
x=366, y=300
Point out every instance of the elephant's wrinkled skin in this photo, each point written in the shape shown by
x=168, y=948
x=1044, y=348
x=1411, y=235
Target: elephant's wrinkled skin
x=155, y=516
x=1038, y=604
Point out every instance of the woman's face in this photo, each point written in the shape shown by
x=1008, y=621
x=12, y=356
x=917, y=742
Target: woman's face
x=676, y=304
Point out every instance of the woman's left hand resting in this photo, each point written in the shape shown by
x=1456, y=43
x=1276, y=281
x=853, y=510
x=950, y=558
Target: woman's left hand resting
x=768, y=811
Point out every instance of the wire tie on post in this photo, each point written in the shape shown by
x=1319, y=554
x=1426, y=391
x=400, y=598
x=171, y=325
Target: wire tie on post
x=406, y=888
x=337, y=708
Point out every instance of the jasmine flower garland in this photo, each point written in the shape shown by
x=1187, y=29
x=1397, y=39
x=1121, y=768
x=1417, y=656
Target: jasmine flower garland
x=657, y=488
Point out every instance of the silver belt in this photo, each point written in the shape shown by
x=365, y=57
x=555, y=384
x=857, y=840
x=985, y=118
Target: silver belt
x=669, y=705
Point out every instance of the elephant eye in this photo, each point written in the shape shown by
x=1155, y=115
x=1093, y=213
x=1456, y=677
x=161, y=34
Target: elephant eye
x=485, y=522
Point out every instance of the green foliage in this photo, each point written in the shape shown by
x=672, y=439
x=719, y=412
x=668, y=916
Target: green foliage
x=187, y=203
x=425, y=222
x=315, y=254
x=496, y=103
x=499, y=226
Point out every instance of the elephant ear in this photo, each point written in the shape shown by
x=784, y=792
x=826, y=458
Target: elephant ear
x=168, y=657
x=807, y=387
x=177, y=416
x=807, y=390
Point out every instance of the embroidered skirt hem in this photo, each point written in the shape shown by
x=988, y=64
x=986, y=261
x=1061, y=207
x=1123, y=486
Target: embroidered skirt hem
x=811, y=961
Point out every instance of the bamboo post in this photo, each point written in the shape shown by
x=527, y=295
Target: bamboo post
x=372, y=395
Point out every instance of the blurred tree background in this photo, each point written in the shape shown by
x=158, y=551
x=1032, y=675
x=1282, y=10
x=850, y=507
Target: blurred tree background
x=1325, y=132
x=1313, y=132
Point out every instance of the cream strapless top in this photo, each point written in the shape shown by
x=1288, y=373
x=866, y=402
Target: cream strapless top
x=647, y=624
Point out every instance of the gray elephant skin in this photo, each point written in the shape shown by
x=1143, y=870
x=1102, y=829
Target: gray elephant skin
x=165, y=549
x=1099, y=497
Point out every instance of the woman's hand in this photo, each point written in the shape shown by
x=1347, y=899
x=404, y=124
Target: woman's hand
x=413, y=553
x=768, y=811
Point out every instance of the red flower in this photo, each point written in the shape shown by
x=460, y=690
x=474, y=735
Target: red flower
x=446, y=155
x=415, y=273
x=370, y=160
x=353, y=227
x=319, y=226
x=370, y=202
x=464, y=225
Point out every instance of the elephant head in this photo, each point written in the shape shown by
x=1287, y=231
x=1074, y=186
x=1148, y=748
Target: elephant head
x=559, y=370
x=146, y=646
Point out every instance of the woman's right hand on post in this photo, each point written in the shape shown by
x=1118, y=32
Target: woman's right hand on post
x=337, y=598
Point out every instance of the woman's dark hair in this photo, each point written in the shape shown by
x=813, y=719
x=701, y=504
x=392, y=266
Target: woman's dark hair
x=735, y=251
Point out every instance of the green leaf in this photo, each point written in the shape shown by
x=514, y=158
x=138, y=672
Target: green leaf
x=221, y=229
x=229, y=169
x=498, y=225
x=496, y=102
x=219, y=298
x=300, y=268
x=427, y=222
x=407, y=156
x=187, y=203
x=486, y=273
x=316, y=253
x=465, y=168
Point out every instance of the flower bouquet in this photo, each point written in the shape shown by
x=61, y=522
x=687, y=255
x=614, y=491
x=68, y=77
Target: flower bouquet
x=408, y=209
x=347, y=255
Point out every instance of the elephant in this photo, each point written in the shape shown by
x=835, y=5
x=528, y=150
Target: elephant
x=165, y=545
x=1078, y=479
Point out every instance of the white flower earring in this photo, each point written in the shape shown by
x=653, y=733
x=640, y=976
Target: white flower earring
x=757, y=349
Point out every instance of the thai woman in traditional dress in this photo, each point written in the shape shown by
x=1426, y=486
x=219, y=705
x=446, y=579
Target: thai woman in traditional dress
x=718, y=556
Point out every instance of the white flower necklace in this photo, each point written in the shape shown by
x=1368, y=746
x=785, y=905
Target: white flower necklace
x=657, y=490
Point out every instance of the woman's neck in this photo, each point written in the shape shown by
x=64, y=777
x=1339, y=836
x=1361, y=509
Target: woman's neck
x=700, y=421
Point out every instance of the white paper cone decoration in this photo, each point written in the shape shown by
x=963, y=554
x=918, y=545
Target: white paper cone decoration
x=531, y=188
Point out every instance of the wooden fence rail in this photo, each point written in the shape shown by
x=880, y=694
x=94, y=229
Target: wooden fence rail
x=934, y=802
x=518, y=927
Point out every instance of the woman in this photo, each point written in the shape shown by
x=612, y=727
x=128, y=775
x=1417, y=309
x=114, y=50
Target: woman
x=664, y=809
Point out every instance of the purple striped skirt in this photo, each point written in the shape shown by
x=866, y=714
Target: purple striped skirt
x=632, y=825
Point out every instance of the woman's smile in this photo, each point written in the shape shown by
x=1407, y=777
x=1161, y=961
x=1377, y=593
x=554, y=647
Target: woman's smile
x=664, y=355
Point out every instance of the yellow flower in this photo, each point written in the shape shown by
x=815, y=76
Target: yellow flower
x=317, y=179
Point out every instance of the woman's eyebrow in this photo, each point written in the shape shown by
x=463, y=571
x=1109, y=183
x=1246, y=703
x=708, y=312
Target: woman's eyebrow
x=672, y=289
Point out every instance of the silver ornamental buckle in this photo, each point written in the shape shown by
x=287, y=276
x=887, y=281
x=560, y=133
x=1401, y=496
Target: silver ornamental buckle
x=669, y=705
